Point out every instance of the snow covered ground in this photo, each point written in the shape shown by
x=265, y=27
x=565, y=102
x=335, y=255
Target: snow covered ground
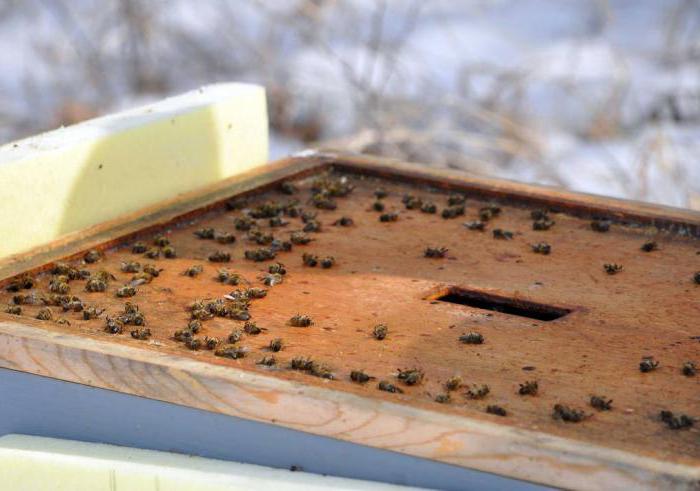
x=601, y=96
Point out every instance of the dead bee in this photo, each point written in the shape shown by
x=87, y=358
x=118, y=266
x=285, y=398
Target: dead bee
x=139, y=248
x=13, y=309
x=696, y=278
x=205, y=233
x=310, y=260
x=132, y=315
x=411, y=202
x=272, y=279
x=428, y=207
x=256, y=293
x=276, y=345
x=412, y=376
x=676, y=422
x=24, y=299
x=478, y=391
x=502, y=234
x=140, y=279
x=252, y=328
x=126, y=291
x=453, y=383
x=387, y=386
x=210, y=343
x=141, y=333
x=337, y=187
x=312, y=226
x=59, y=285
x=23, y=282
x=152, y=253
x=44, y=314
x=73, y=304
x=388, y=217
x=456, y=199
x=72, y=273
x=380, y=193
x=378, y=206
x=453, y=212
x=380, y=331
x=114, y=326
x=194, y=325
x=600, y=225
x=130, y=267
x=601, y=403
x=689, y=369
x=322, y=371
x=151, y=270
x=277, y=268
x=301, y=363
x=486, y=213
x=183, y=335
x=96, y=285
x=360, y=377
x=541, y=248
x=497, y=410
x=193, y=271
x=92, y=256
x=308, y=216
x=235, y=336
x=287, y=187
x=259, y=255
x=161, y=240
x=472, y=338
x=650, y=246
x=542, y=224
x=278, y=222
x=612, y=268
x=265, y=210
x=280, y=245
x=63, y=321
x=224, y=238
x=344, y=222
x=259, y=237
x=300, y=238
x=193, y=343
x=323, y=202
x=54, y=299
x=228, y=277
x=435, y=252
x=244, y=223
x=169, y=252
x=220, y=257
x=327, y=262
x=475, y=225
x=539, y=215
x=300, y=321
x=236, y=204
x=201, y=314
x=92, y=313
x=443, y=398
x=568, y=414
x=529, y=388
x=648, y=364
x=267, y=361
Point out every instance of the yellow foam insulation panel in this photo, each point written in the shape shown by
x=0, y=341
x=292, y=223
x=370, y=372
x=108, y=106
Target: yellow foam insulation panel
x=37, y=463
x=77, y=176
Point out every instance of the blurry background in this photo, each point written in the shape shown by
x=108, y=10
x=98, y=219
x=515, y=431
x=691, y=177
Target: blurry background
x=595, y=95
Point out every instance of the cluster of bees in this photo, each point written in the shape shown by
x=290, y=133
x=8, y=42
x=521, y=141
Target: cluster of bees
x=325, y=192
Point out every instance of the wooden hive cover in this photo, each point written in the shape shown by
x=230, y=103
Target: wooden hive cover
x=559, y=319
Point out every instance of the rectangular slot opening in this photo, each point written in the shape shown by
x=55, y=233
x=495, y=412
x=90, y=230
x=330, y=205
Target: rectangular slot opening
x=505, y=305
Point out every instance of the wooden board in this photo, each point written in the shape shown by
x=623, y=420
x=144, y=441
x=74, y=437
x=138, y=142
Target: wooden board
x=380, y=275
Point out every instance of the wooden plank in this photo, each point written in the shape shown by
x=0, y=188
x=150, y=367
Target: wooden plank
x=381, y=276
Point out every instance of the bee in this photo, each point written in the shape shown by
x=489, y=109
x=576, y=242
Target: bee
x=388, y=217
x=138, y=248
x=378, y=206
x=130, y=267
x=475, y=225
x=210, y=343
x=478, y=391
x=443, y=398
x=360, y=377
x=224, y=238
x=126, y=291
x=600, y=225
x=267, y=361
x=272, y=279
x=205, y=233
x=59, y=285
x=486, y=213
x=497, y=410
x=193, y=343
x=92, y=256
x=228, y=277
x=380, y=331
x=541, y=248
x=276, y=345
x=24, y=282
x=220, y=257
x=114, y=326
x=455, y=199
x=13, y=309
x=312, y=226
x=310, y=260
x=472, y=338
x=235, y=336
x=387, y=386
x=344, y=222
x=327, y=262
x=287, y=187
x=244, y=223
x=568, y=414
x=412, y=376
x=435, y=252
x=152, y=253
x=380, y=193
x=277, y=268
x=529, y=388
x=169, y=252
x=252, y=328
x=278, y=222
x=453, y=383
x=151, y=270
x=300, y=321
x=92, y=313
x=453, y=212
x=428, y=207
x=300, y=238
x=141, y=333
x=259, y=255
x=193, y=271
x=689, y=369
x=648, y=364
x=542, y=224
x=161, y=240
x=502, y=234
x=44, y=314
x=676, y=422
x=650, y=246
x=612, y=268
x=601, y=403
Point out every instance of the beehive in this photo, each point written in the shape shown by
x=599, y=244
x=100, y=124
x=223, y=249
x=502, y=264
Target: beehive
x=491, y=307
